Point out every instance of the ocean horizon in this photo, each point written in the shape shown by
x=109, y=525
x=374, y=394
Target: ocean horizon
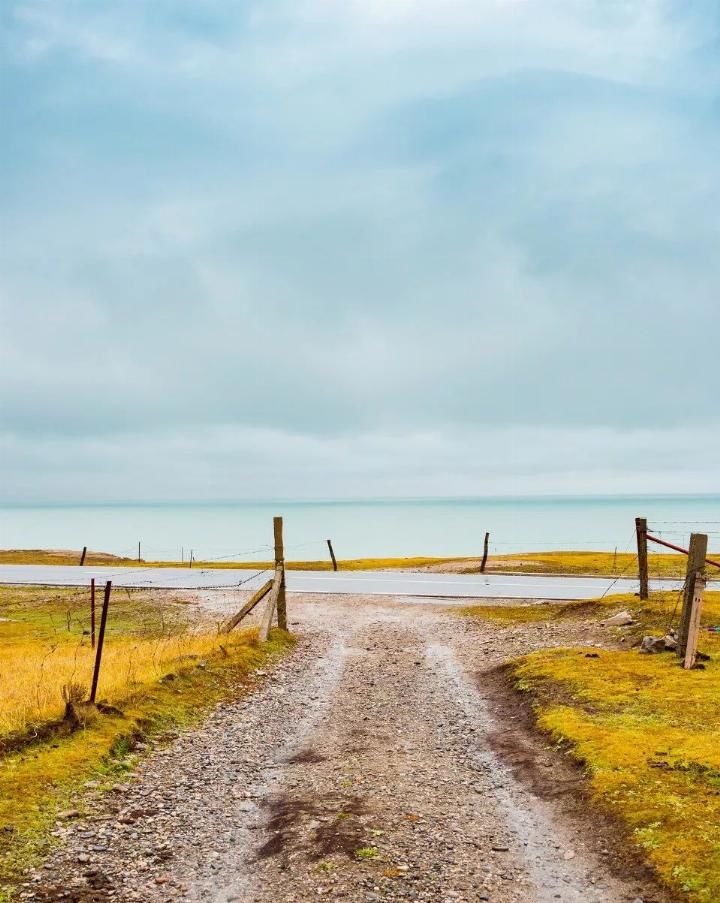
x=382, y=527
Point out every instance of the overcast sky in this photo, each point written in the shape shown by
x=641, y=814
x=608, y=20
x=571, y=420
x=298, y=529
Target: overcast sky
x=326, y=248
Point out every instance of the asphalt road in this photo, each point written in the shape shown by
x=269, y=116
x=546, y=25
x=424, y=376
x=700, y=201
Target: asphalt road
x=376, y=583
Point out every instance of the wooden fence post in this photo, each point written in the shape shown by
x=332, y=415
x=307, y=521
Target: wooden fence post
x=641, y=532
x=82, y=557
x=248, y=606
x=267, y=615
x=693, y=634
x=92, y=612
x=139, y=558
x=697, y=553
x=485, y=553
x=101, y=641
x=332, y=555
x=280, y=563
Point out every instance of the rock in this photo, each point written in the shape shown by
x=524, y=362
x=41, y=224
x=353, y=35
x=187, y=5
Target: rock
x=652, y=644
x=621, y=619
x=67, y=814
x=568, y=855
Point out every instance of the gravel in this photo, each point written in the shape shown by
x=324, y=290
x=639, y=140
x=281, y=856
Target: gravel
x=361, y=768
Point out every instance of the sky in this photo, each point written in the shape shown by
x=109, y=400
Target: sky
x=332, y=248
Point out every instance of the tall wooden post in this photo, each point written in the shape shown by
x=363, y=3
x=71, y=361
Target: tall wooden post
x=82, y=557
x=92, y=612
x=101, y=641
x=139, y=558
x=697, y=552
x=693, y=636
x=641, y=531
x=485, y=553
x=280, y=563
x=332, y=555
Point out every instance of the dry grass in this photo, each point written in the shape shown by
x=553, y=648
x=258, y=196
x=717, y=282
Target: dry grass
x=44, y=646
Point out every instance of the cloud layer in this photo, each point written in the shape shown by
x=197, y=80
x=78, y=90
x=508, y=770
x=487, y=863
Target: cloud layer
x=369, y=233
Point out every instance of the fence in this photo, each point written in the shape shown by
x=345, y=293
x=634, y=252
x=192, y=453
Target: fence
x=693, y=587
x=63, y=647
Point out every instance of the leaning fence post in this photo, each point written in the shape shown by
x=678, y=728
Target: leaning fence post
x=693, y=634
x=641, y=532
x=332, y=555
x=280, y=563
x=92, y=612
x=82, y=557
x=101, y=641
x=485, y=553
x=697, y=552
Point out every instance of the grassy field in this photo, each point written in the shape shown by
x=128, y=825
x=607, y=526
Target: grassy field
x=561, y=562
x=647, y=731
x=163, y=667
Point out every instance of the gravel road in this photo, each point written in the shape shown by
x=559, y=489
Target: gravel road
x=371, y=764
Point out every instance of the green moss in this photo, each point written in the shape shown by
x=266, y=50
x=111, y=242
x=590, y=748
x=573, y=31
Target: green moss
x=649, y=734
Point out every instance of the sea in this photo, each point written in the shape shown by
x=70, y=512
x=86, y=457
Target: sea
x=357, y=528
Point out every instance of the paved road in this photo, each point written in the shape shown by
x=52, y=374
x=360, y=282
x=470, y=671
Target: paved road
x=376, y=583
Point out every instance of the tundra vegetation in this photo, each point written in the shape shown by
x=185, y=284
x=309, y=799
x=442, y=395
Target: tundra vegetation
x=646, y=731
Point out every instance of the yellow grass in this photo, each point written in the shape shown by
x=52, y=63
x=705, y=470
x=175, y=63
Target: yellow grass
x=42, y=647
x=593, y=563
x=649, y=733
x=560, y=562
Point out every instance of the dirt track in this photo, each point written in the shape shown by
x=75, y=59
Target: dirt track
x=378, y=762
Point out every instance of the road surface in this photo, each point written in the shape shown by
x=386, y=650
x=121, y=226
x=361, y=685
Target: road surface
x=374, y=583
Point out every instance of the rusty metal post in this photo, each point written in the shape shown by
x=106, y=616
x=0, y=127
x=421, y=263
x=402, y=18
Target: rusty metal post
x=92, y=612
x=82, y=557
x=101, y=641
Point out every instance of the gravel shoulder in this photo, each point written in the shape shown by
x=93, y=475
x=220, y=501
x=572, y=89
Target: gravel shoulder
x=378, y=761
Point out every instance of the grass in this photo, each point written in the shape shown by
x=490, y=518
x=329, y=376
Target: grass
x=42, y=556
x=561, y=562
x=163, y=669
x=648, y=733
x=45, y=645
x=604, y=564
x=657, y=613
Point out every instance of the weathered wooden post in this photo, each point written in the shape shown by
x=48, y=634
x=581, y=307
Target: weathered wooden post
x=641, y=532
x=82, y=556
x=139, y=558
x=332, y=555
x=92, y=612
x=101, y=641
x=485, y=553
x=697, y=553
x=280, y=563
x=693, y=634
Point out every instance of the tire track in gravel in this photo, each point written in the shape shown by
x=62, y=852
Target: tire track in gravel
x=360, y=770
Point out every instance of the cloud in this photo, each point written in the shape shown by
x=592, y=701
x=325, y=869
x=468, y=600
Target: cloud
x=340, y=222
